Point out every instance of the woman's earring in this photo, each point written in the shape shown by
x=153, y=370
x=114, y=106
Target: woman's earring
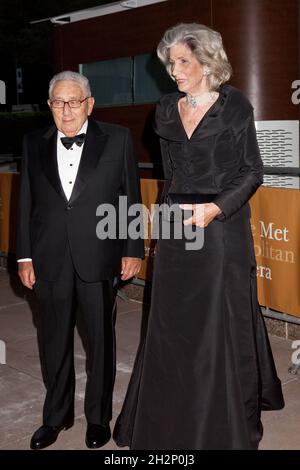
x=206, y=71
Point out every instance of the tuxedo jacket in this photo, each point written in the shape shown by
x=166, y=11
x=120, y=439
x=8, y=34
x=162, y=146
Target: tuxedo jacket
x=48, y=221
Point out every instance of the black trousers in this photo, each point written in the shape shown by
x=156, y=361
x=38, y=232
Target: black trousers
x=57, y=310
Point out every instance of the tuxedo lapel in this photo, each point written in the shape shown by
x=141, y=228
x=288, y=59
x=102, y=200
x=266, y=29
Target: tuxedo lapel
x=49, y=160
x=94, y=145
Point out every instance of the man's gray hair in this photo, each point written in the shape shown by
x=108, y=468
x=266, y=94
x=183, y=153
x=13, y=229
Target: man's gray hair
x=207, y=46
x=69, y=75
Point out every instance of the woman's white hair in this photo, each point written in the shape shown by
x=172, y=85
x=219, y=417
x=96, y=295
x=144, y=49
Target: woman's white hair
x=207, y=46
x=69, y=75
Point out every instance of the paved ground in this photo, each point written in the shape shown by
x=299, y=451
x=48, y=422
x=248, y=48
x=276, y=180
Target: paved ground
x=22, y=389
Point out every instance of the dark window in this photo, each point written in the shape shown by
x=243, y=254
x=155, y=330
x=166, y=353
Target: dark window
x=128, y=80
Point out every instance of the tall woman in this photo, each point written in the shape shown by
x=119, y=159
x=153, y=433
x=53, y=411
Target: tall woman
x=206, y=369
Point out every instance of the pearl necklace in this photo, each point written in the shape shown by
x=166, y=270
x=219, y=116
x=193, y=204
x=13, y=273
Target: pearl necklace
x=204, y=98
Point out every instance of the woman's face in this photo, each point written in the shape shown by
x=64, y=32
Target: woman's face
x=186, y=70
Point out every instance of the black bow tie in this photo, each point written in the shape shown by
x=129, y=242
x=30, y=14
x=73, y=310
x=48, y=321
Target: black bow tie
x=69, y=141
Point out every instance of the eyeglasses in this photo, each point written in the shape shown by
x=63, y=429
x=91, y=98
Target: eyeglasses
x=71, y=103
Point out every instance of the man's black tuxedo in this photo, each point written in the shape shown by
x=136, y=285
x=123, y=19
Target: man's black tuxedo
x=71, y=263
x=48, y=221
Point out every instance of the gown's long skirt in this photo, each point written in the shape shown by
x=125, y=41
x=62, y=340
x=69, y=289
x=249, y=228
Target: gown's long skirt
x=205, y=370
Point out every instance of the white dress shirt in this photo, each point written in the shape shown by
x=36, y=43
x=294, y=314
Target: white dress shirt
x=68, y=163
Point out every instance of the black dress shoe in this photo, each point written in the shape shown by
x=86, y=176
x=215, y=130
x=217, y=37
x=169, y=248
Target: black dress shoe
x=47, y=435
x=97, y=435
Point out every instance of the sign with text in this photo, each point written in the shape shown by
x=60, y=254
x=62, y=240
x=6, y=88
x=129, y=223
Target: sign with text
x=275, y=224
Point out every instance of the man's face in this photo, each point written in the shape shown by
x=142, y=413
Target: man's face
x=70, y=120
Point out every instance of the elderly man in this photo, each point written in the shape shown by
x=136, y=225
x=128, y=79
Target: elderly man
x=69, y=170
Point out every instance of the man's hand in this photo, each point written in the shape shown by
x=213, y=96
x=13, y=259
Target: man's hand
x=26, y=273
x=130, y=267
x=203, y=214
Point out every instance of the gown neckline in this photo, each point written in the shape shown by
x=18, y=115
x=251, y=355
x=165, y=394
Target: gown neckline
x=231, y=109
x=201, y=120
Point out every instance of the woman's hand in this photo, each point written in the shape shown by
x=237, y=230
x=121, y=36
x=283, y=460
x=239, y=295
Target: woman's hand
x=203, y=214
x=130, y=267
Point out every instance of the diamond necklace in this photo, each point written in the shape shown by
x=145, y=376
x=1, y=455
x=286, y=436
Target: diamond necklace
x=204, y=98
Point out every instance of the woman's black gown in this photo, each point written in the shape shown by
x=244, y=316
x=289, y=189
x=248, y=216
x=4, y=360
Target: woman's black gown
x=205, y=370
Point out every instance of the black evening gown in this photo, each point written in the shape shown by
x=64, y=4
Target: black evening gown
x=205, y=370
